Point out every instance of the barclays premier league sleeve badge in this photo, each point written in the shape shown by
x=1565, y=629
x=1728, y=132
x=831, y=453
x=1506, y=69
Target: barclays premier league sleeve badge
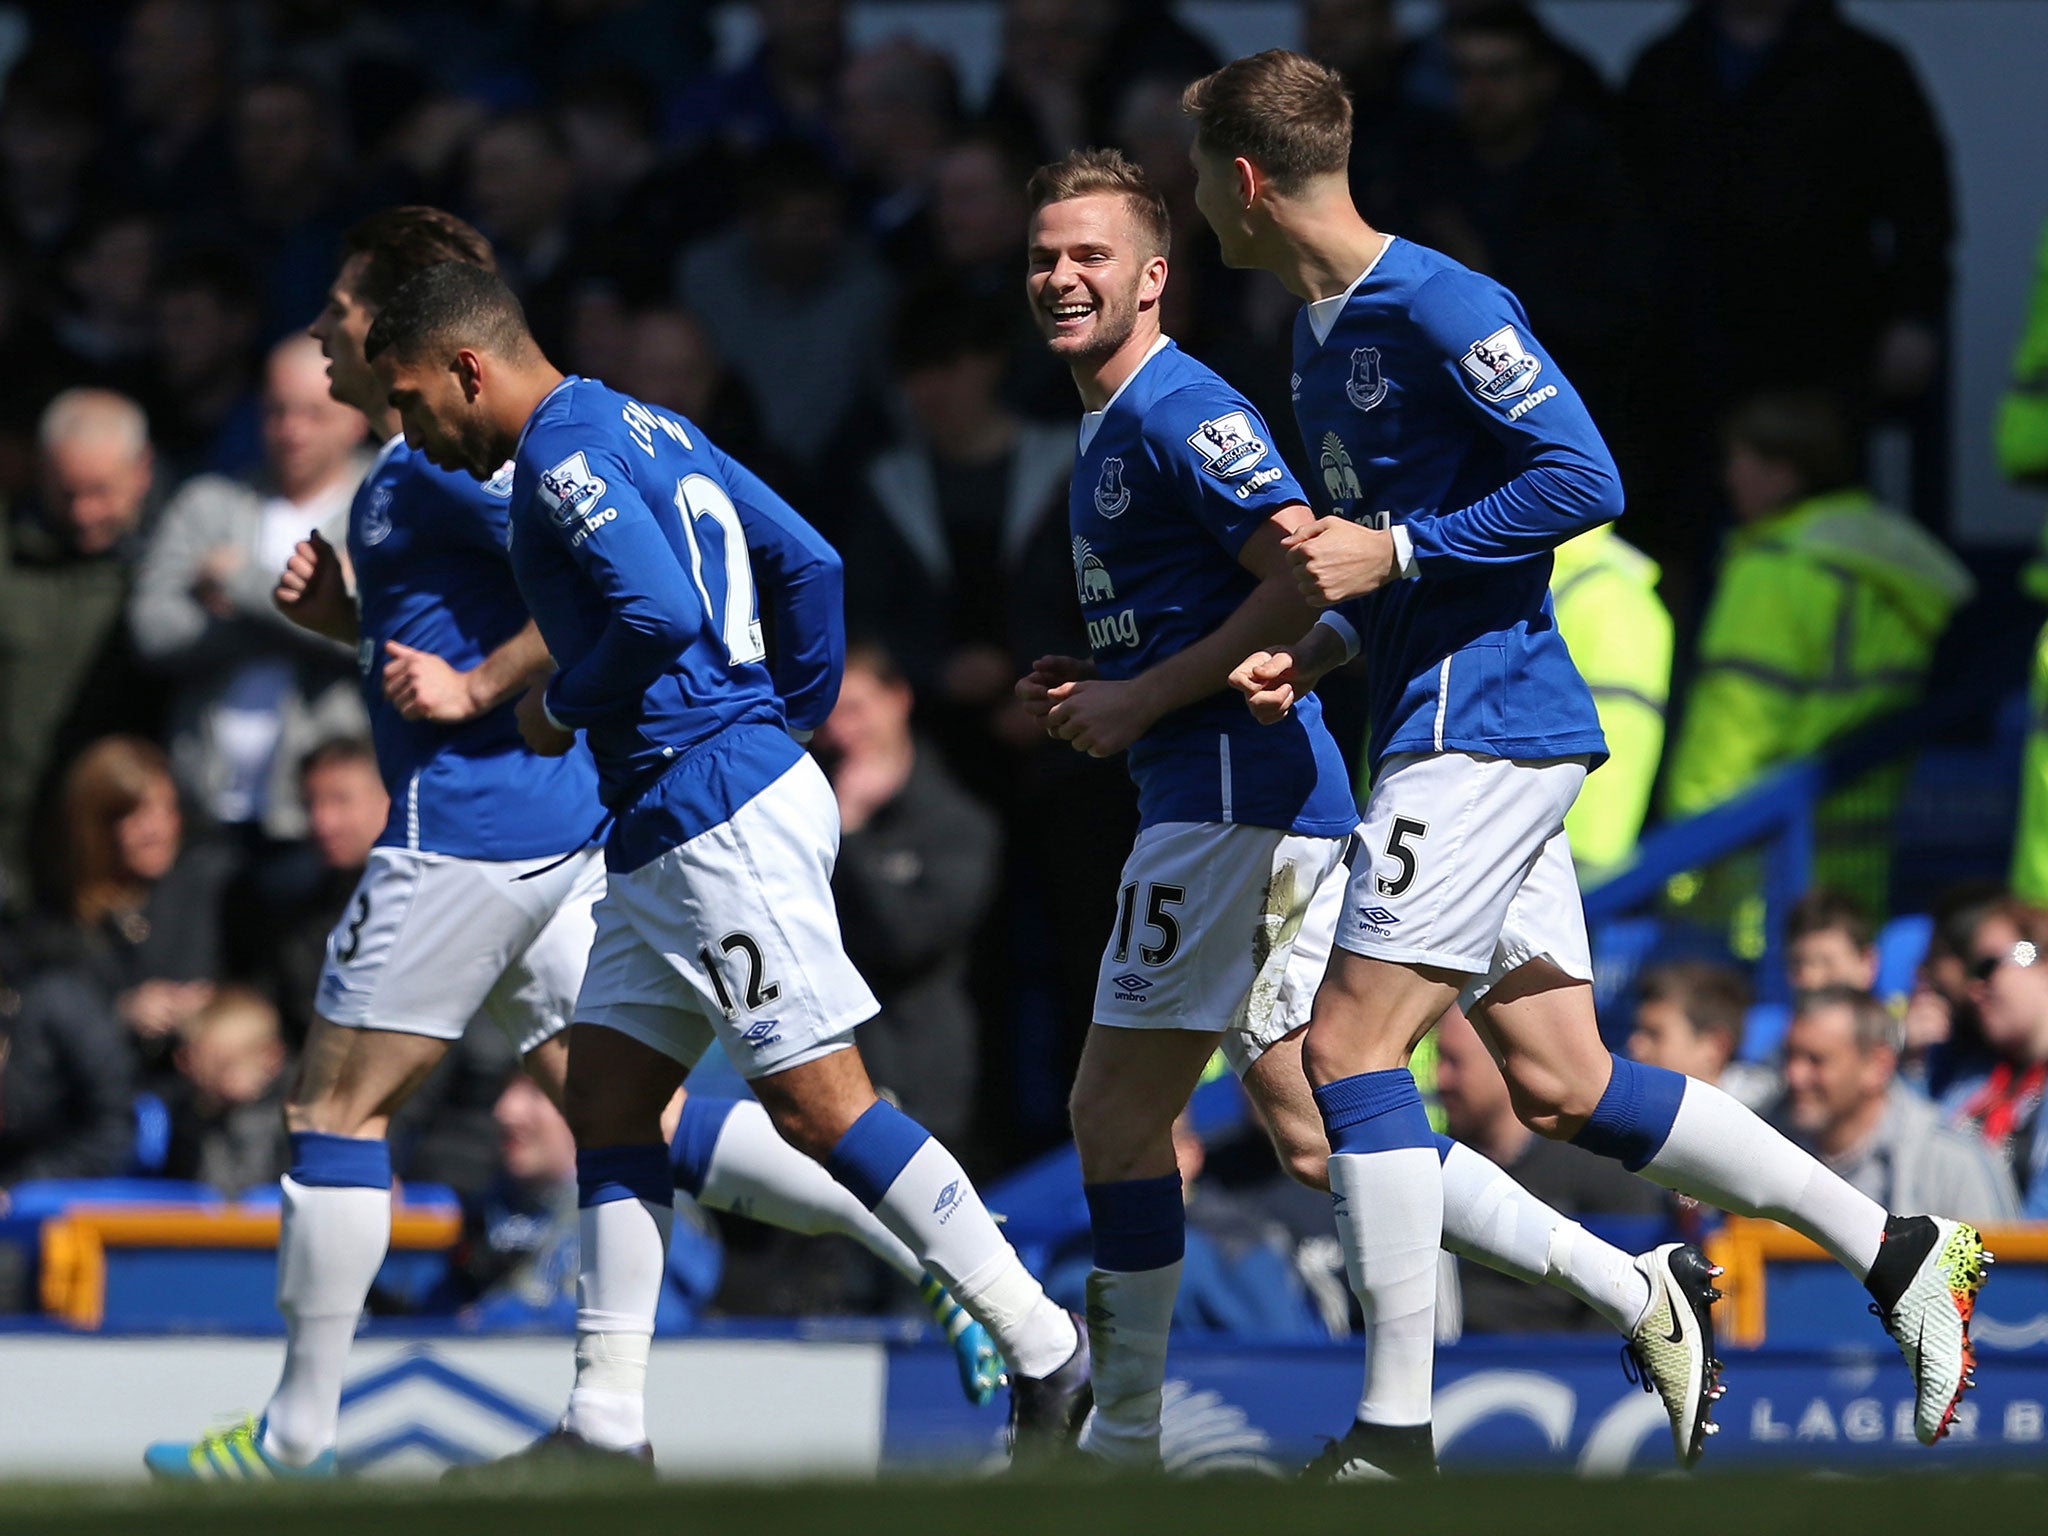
x=1228, y=445
x=1499, y=366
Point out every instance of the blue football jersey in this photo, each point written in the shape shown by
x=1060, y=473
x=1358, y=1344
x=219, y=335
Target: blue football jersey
x=1173, y=476
x=428, y=547
x=630, y=547
x=1429, y=406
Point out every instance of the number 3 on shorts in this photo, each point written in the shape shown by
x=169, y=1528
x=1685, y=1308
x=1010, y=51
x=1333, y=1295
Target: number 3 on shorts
x=1404, y=830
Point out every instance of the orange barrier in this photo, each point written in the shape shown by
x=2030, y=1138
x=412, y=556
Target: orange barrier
x=75, y=1244
x=1745, y=1248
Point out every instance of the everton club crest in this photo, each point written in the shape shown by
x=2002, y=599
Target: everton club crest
x=1366, y=387
x=1111, y=494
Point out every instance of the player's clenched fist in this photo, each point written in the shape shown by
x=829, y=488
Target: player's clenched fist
x=1034, y=689
x=1335, y=560
x=1267, y=681
x=312, y=589
x=541, y=734
x=1098, y=716
x=424, y=687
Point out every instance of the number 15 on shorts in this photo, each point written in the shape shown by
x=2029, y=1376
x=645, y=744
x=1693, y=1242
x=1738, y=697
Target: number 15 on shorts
x=1160, y=900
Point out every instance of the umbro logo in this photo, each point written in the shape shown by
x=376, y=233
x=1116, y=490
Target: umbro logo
x=1131, y=981
x=1379, y=915
x=947, y=1203
x=762, y=1033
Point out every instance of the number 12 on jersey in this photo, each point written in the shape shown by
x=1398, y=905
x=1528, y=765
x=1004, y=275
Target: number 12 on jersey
x=699, y=496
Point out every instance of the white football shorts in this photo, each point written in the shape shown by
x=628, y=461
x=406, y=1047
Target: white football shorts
x=1463, y=864
x=1222, y=927
x=428, y=942
x=733, y=935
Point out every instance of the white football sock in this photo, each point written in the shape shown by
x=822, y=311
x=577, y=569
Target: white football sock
x=1722, y=1153
x=933, y=1207
x=1129, y=1316
x=624, y=1263
x=1493, y=1220
x=1390, y=1212
x=753, y=1172
x=330, y=1245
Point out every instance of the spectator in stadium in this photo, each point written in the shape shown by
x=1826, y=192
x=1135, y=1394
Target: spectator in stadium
x=102, y=307
x=50, y=136
x=142, y=901
x=1429, y=78
x=253, y=693
x=1604, y=591
x=1066, y=65
x=203, y=394
x=1532, y=190
x=959, y=561
x=1804, y=242
x=519, y=192
x=1826, y=612
x=783, y=92
x=668, y=359
x=1944, y=1034
x=1844, y=1102
x=794, y=299
x=515, y=1267
x=1477, y=1111
x=1689, y=1018
x=173, y=64
x=917, y=867
x=289, y=146
x=634, y=205
x=899, y=110
x=67, y=555
x=1829, y=942
x=66, y=1085
x=2008, y=962
x=227, y=1102
x=280, y=939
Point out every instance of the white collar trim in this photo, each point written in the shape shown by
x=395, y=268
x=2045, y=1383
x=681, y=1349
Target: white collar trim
x=1323, y=313
x=1091, y=422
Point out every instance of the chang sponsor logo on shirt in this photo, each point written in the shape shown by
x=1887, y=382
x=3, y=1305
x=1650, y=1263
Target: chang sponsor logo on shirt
x=1092, y=582
x=1228, y=445
x=1499, y=366
x=1113, y=631
x=1340, y=479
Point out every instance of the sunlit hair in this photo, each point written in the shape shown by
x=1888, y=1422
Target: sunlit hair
x=1095, y=172
x=404, y=241
x=1285, y=113
x=451, y=304
x=103, y=785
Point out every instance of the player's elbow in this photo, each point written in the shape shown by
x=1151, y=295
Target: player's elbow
x=1596, y=493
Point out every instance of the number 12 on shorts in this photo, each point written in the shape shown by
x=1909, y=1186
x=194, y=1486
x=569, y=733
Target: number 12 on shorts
x=1159, y=899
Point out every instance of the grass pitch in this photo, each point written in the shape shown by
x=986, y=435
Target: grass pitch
x=1979, y=1503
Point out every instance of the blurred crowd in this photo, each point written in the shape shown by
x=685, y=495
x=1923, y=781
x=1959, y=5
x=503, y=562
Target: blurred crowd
x=814, y=251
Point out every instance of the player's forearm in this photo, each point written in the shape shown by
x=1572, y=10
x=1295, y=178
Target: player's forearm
x=1537, y=510
x=342, y=623
x=509, y=670
x=1272, y=615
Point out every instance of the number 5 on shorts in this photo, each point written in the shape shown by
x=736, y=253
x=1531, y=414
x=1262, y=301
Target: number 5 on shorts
x=1405, y=829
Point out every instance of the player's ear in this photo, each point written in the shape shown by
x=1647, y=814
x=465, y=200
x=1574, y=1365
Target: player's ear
x=1249, y=182
x=1153, y=283
x=469, y=373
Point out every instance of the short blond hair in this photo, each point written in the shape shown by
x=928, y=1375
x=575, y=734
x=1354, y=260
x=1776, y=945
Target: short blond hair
x=1095, y=172
x=84, y=414
x=1282, y=111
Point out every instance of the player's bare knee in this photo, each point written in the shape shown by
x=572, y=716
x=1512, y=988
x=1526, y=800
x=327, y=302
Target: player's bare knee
x=1545, y=1102
x=1306, y=1163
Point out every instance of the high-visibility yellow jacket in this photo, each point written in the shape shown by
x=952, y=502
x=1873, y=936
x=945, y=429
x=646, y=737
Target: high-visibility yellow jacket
x=1619, y=634
x=2022, y=431
x=2030, y=843
x=1826, y=616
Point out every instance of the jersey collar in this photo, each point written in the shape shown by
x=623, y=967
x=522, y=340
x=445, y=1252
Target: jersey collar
x=567, y=380
x=1091, y=422
x=1323, y=313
